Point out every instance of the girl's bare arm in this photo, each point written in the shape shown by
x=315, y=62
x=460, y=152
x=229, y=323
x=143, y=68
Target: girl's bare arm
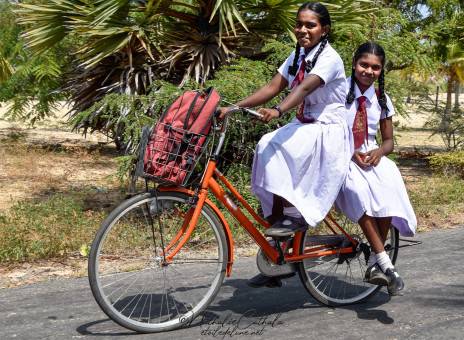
x=386, y=129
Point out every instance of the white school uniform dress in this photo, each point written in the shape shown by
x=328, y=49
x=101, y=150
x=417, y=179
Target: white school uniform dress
x=306, y=163
x=376, y=191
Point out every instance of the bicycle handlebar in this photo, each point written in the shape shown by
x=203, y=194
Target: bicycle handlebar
x=232, y=110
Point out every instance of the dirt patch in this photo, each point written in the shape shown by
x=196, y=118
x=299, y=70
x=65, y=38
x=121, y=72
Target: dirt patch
x=42, y=271
x=50, y=158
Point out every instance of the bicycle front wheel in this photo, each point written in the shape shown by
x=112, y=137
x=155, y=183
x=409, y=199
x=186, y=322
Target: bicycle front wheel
x=337, y=280
x=128, y=276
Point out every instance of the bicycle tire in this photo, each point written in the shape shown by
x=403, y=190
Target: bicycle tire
x=126, y=274
x=337, y=280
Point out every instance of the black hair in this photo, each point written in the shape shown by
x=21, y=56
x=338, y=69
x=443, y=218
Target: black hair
x=375, y=49
x=324, y=19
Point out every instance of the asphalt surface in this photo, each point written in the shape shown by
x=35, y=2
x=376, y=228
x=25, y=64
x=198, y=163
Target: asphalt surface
x=431, y=307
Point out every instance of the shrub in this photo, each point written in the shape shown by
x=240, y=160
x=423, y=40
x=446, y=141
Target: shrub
x=448, y=163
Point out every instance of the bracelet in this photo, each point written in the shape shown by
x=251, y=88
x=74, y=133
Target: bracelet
x=277, y=107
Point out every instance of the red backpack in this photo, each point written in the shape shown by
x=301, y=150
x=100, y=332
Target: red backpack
x=179, y=137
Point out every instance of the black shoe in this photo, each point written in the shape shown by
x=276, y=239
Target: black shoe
x=287, y=226
x=374, y=275
x=262, y=280
x=395, y=282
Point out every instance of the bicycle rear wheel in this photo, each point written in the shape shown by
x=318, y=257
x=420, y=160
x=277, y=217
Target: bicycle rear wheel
x=126, y=271
x=337, y=280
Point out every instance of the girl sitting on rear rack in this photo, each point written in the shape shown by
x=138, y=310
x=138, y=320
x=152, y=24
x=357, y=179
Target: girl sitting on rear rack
x=374, y=194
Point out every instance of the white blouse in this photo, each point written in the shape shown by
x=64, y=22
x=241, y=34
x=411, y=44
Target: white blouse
x=328, y=101
x=374, y=111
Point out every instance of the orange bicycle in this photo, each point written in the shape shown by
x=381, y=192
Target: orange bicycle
x=159, y=259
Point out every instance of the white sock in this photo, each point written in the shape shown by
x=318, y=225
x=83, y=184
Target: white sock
x=292, y=212
x=384, y=261
x=372, y=259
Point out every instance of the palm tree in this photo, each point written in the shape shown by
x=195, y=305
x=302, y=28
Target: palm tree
x=454, y=72
x=125, y=44
x=6, y=70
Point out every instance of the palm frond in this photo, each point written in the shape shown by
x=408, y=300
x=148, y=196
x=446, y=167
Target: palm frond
x=6, y=70
x=49, y=23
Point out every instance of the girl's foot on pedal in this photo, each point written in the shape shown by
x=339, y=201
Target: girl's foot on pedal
x=287, y=226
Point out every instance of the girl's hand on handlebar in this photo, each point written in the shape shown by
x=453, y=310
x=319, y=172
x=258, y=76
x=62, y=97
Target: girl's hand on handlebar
x=268, y=114
x=223, y=110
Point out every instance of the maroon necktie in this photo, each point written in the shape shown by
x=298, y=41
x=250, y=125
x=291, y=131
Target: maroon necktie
x=360, y=123
x=297, y=81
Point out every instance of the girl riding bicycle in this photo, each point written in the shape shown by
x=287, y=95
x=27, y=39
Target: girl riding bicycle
x=374, y=194
x=304, y=163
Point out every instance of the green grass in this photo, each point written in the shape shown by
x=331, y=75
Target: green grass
x=438, y=194
x=47, y=228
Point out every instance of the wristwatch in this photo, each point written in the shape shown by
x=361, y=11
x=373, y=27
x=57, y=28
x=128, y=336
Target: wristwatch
x=277, y=107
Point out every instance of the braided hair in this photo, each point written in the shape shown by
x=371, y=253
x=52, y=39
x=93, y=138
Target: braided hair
x=324, y=18
x=375, y=49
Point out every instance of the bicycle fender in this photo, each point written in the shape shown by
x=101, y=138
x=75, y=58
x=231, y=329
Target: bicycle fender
x=222, y=219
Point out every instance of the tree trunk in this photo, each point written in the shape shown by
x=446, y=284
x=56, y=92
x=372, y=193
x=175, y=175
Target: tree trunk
x=456, y=96
x=449, y=91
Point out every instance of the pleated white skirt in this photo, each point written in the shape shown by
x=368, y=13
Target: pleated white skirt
x=304, y=163
x=378, y=192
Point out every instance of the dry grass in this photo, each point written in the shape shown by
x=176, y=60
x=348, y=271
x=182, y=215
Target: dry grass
x=35, y=169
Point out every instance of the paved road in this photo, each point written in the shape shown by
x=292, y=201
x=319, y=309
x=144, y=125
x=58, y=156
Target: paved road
x=432, y=306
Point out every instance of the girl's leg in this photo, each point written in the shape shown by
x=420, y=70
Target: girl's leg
x=376, y=230
x=374, y=236
x=277, y=210
x=383, y=224
x=291, y=221
x=280, y=207
x=377, y=260
x=369, y=226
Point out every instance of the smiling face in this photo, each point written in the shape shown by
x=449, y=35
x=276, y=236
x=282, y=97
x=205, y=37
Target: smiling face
x=308, y=29
x=367, y=70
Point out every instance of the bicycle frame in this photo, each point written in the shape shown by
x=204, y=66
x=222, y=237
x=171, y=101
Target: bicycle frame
x=209, y=184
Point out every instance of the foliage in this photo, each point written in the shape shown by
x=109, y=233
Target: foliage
x=235, y=82
x=30, y=83
x=180, y=28
x=449, y=163
x=52, y=227
x=122, y=46
x=406, y=53
x=449, y=125
x=122, y=117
